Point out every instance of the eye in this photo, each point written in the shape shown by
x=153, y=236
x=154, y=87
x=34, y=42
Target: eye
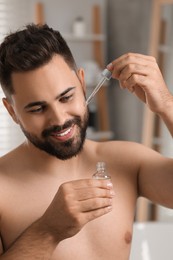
x=37, y=109
x=65, y=99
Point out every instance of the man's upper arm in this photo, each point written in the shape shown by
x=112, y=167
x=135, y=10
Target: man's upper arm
x=1, y=244
x=1, y=247
x=155, y=178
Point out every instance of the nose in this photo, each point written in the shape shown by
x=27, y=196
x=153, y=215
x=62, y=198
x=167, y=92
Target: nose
x=57, y=115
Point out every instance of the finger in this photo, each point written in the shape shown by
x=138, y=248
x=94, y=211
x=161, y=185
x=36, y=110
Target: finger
x=137, y=56
x=131, y=69
x=139, y=92
x=137, y=80
x=89, y=193
x=91, y=183
x=94, y=204
x=134, y=58
x=128, y=57
x=91, y=215
x=121, y=84
x=119, y=64
x=137, y=88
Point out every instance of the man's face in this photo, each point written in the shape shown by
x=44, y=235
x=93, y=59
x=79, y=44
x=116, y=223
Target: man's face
x=58, y=141
x=49, y=105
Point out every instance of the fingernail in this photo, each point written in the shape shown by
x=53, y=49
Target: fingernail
x=109, y=184
x=110, y=65
x=109, y=208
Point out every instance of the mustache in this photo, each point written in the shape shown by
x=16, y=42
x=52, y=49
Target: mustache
x=57, y=128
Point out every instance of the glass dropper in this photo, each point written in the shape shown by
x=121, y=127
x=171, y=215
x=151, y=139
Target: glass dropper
x=106, y=75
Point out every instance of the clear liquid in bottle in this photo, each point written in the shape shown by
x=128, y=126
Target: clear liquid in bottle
x=101, y=172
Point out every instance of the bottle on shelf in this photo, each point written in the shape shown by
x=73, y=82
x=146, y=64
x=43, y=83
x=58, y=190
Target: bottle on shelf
x=79, y=27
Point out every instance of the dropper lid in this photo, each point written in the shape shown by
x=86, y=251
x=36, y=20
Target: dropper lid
x=106, y=74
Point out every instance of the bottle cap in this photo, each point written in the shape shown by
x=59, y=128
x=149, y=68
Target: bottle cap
x=107, y=74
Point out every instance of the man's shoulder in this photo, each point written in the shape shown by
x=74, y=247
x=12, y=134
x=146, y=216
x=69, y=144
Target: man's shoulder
x=111, y=148
x=118, y=145
x=9, y=160
x=120, y=150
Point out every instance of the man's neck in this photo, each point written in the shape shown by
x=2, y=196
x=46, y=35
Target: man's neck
x=43, y=162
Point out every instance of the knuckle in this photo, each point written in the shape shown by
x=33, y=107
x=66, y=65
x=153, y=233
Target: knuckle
x=63, y=187
x=153, y=58
x=130, y=67
x=129, y=56
x=134, y=77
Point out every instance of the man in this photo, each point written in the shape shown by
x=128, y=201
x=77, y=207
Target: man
x=50, y=207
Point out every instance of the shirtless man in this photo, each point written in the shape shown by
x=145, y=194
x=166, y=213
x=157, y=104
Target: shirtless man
x=50, y=207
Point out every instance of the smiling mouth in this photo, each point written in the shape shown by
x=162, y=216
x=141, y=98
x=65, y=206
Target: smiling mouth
x=63, y=135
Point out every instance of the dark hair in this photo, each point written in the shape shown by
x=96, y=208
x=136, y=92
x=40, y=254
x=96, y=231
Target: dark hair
x=29, y=49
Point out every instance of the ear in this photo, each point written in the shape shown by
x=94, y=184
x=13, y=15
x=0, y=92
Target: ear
x=81, y=76
x=10, y=109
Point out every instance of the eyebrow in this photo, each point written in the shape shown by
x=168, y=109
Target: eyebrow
x=42, y=103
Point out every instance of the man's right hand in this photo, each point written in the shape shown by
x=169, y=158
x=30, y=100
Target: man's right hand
x=75, y=204
x=141, y=75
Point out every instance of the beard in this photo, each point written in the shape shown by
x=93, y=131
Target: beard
x=61, y=150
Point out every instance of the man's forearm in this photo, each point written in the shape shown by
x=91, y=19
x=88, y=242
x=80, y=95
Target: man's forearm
x=34, y=243
x=167, y=117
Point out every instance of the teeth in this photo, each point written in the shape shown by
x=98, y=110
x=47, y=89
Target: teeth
x=64, y=133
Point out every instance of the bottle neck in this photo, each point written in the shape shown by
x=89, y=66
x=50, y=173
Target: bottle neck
x=101, y=171
x=101, y=166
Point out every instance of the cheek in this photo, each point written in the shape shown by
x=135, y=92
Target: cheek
x=80, y=104
x=79, y=108
x=25, y=120
x=32, y=125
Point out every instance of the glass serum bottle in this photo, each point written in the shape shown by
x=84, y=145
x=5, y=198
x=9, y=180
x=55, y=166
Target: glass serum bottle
x=101, y=172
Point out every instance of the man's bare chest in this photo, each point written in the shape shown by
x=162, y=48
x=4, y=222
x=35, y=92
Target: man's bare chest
x=104, y=238
x=109, y=235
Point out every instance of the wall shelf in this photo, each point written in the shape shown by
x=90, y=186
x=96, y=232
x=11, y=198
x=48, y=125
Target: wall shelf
x=84, y=38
